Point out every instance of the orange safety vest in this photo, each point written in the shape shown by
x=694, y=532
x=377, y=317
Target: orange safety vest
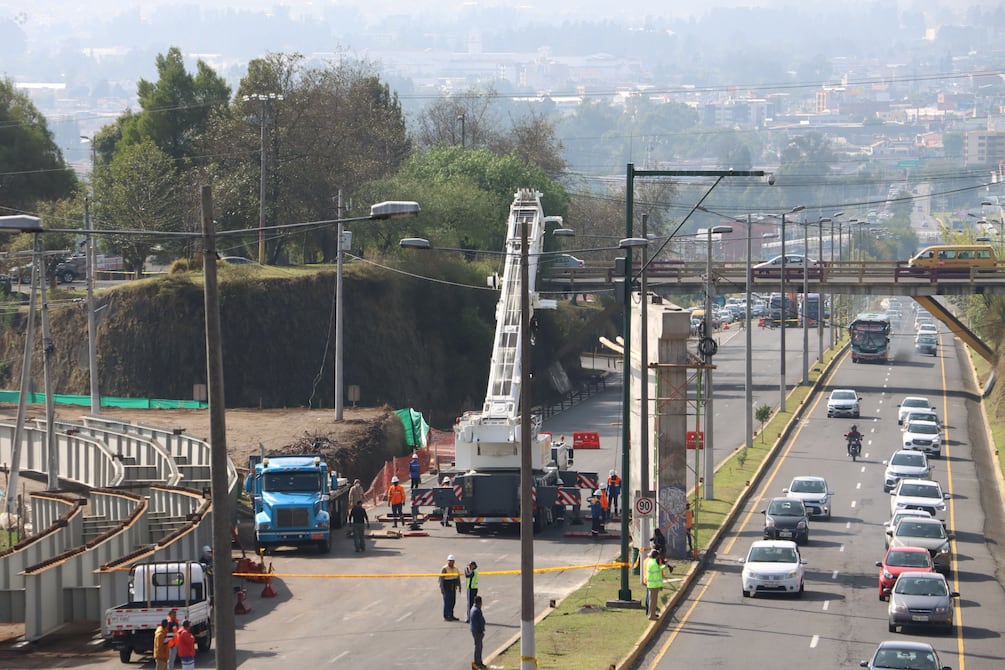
x=396, y=494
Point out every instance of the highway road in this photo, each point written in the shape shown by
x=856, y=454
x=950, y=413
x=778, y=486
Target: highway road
x=840, y=619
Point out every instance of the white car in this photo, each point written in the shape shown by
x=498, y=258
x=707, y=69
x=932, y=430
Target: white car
x=844, y=402
x=923, y=494
x=912, y=403
x=773, y=566
x=905, y=464
x=923, y=436
x=920, y=415
x=927, y=328
x=814, y=493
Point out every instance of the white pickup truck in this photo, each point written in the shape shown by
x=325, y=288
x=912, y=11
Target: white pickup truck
x=154, y=590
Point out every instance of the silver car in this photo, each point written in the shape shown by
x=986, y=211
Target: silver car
x=814, y=493
x=905, y=464
x=927, y=534
x=922, y=599
x=898, y=655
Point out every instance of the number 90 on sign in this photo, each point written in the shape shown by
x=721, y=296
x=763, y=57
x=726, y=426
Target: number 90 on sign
x=644, y=506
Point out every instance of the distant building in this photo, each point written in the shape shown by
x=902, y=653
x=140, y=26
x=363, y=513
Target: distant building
x=983, y=148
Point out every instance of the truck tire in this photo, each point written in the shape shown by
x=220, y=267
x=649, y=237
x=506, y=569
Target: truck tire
x=125, y=653
x=206, y=641
x=463, y=528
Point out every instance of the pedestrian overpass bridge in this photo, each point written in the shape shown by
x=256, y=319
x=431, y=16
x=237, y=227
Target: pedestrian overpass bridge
x=885, y=278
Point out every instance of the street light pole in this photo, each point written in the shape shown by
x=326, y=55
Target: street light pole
x=92, y=326
x=528, y=655
x=748, y=380
x=806, y=293
x=707, y=332
x=783, y=302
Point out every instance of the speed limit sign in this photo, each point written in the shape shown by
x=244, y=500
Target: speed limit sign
x=644, y=506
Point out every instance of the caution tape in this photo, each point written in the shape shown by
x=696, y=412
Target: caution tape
x=484, y=573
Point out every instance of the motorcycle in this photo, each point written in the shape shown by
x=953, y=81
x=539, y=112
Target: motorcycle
x=854, y=448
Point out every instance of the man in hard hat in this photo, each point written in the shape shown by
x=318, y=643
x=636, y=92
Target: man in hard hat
x=415, y=471
x=396, y=499
x=613, y=492
x=596, y=514
x=450, y=585
x=445, y=519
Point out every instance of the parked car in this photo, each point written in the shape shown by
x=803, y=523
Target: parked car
x=786, y=519
x=927, y=534
x=922, y=599
x=923, y=436
x=898, y=560
x=922, y=494
x=844, y=402
x=238, y=260
x=74, y=267
x=773, y=566
x=905, y=464
x=912, y=402
x=898, y=655
x=814, y=493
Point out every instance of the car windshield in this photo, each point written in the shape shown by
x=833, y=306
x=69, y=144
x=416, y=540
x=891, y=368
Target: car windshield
x=843, y=395
x=772, y=555
x=923, y=428
x=807, y=486
x=932, y=531
x=920, y=491
x=915, y=402
x=912, y=459
x=914, y=586
x=786, y=508
x=909, y=559
x=921, y=416
x=292, y=482
x=905, y=659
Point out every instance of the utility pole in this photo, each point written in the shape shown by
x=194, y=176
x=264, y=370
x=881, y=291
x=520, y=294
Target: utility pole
x=263, y=116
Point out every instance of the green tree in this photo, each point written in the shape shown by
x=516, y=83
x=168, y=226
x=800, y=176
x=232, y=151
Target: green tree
x=140, y=190
x=177, y=107
x=31, y=165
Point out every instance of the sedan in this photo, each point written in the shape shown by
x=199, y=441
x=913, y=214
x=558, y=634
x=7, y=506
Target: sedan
x=890, y=527
x=912, y=403
x=923, y=436
x=844, y=402
x=898, y=560
x=566, y=262
x=905, y=464
x=785, y=519
x=922, y=599
x=773, y=566
x=897, y=655
x=927, y=534
x=922, y=494
x=814, y=493
x=793, y=267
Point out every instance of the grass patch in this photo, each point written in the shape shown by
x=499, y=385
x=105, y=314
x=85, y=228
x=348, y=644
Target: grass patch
x=582, y=633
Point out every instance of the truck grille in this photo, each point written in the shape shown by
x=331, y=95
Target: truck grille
x=291, y=517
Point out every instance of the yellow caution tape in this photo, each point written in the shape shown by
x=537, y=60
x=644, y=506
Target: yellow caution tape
x=484, y=573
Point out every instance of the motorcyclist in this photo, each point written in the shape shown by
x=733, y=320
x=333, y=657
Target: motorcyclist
x=853, y=436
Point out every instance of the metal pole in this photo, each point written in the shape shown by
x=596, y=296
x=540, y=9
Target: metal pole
x=52, y=458
x=709, y=424
x=783, y=312
x=261, y=186
x=833, y=305
x=625, y=591
x=223, y=594
x=806, y=291
x=748, y=382
x=528, y=655
x=339, y=322
x=820, y=293
x=644, y=390
x=92, y=326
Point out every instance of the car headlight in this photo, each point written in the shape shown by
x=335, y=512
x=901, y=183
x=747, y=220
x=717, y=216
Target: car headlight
x=944, y=549
x=791, y=574
x=888, y=575
x=801, y=525
x=264, y=526
x=941, y=609
x=899, y=609
x=769, y=522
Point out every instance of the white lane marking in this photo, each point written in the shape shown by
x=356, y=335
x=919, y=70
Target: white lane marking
x=834, y=575
x=335, y=659
x=840, y=550
x=863, y=467
x=853, y=503
x=814, y=641
x=847, y=525
x=827, y=605
x=403, y=617
x=859, y=485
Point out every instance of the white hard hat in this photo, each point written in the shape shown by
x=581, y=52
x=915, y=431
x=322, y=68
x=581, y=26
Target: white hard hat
x=612, y=472
x=597, y=492
x=415, y=455
x=446, y=480
x=604, y=485
x=451, y=558
x=394, y=480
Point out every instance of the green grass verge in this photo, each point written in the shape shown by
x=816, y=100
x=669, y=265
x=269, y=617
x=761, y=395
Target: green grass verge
x=581, y=633
x=983, y=370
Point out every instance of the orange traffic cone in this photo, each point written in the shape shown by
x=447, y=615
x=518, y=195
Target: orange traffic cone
x=241, y=607
x=268, y=591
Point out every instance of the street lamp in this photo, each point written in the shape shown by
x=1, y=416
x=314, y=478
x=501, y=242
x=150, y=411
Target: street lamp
x=707, y=331
x=834, y=217
x=264, y=99
x=784, y=313
x=806, y=294
x=392, y=209
x=92, y=326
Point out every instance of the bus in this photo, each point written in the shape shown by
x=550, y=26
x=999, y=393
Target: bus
x=870, y=338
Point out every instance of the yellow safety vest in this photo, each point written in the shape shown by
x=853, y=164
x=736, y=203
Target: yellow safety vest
x=654, y=574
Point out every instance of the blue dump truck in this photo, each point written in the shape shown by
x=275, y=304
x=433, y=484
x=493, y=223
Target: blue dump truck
x=297, y=500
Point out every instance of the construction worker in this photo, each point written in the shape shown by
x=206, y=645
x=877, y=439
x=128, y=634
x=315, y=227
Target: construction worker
x=396, y=498
x=359, y=520
x=415, y=471
x=445, y=519
x=172, y=630
x=613, y=491
x=450, y=584
x=689, y=526
x=471, y=577
x=356, y=492
x=654, y=582
x=596, y=514
x=161, y=651
x=604, y=501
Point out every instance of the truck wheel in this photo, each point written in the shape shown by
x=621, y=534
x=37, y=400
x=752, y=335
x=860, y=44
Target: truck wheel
x=125, y=653
x=206, y=641
x=463, y=527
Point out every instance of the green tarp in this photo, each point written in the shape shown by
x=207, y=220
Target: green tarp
x=416, y=428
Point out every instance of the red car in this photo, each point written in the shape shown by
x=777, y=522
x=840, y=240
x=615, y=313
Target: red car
x=898, y=560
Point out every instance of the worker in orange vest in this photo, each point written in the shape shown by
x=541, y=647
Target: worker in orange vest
x=604, y=503
x=396, y=499
x=613, y=491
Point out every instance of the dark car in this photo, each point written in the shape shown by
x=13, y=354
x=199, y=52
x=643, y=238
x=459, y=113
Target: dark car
x=74, y=267
x=786, y=519
x=926, y=343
